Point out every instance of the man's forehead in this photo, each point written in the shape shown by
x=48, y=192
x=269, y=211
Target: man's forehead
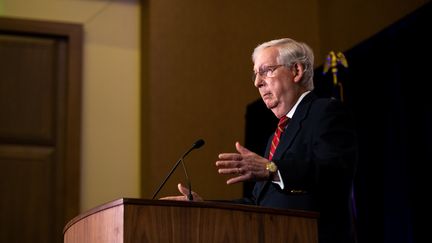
x=267, y=55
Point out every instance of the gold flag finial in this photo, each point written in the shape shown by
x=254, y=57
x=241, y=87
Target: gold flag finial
x=331, y=62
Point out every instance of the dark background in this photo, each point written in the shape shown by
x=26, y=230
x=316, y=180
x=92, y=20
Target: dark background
x=386, y=86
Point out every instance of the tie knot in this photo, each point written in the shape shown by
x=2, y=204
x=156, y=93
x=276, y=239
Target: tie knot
x=283, y=121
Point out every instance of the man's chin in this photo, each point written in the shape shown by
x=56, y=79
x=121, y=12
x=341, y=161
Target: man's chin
x=270, y=105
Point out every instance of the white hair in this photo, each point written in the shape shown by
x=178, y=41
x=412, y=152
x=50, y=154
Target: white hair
x=291, y=52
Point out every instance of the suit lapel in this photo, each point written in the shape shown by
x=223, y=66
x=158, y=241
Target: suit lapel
x=294, y=126
x=288, y=136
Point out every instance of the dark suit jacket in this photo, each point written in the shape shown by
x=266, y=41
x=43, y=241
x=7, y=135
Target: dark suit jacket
x=316, y=157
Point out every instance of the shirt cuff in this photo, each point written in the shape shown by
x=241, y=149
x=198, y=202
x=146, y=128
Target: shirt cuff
x=280, y=183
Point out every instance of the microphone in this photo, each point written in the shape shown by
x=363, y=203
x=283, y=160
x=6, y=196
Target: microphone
x=198, y=144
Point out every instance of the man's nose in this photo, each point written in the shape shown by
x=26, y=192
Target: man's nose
x=259, y=81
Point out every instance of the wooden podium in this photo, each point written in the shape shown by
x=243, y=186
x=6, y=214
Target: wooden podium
x=129, y=220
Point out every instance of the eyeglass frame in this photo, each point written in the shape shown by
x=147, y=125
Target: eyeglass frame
x=267, y=71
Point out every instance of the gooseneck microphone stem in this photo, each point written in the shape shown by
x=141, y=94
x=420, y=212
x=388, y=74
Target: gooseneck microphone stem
x=196, y=145
x=166, y=178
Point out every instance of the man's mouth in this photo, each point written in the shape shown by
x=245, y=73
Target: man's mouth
x=266, y=95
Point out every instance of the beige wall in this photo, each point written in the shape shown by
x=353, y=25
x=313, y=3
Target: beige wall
x=195, y=81
x=200, y=66
x=110, y=121
x=198, y=81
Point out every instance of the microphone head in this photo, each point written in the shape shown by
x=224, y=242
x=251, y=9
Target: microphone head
x=198, y=144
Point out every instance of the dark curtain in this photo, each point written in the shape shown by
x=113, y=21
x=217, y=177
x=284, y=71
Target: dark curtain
x=386, y=86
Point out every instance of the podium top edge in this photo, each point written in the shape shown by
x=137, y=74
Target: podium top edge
x=225, y=205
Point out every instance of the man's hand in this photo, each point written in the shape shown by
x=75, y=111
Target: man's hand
x=185, y=192
x=245, y=165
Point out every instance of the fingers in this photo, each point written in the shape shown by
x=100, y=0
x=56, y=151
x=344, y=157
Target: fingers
x=235, y=156
x=234, y=170
x=241, y=149
x=244, y=165
x=182, y=189
x=230, y=156
x=229, y=164
x=237, y=179
x=196, y=197
x=185, y=192
x=229, y=161
x=174, y=198
x=232, y=163
x=240, y=174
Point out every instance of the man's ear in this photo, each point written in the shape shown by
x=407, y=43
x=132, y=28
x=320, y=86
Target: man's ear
x=297, y=69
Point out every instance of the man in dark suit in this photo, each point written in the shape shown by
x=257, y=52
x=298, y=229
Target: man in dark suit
x=310, y=160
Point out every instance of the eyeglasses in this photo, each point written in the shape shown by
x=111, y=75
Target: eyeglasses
x=267, y=71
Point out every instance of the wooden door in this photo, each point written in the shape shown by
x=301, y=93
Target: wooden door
x=40, y=87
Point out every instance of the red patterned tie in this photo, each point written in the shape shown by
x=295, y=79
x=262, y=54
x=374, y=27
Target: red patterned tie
x=280, y=129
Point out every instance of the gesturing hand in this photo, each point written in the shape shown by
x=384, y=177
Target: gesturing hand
x=185, y=192
x=244, y=165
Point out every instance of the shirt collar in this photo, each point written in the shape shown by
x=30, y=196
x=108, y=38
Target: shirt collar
x=293, y=109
